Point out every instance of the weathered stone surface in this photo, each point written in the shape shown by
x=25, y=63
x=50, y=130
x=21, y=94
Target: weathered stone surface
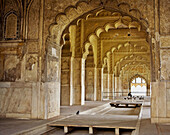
x=165, y=64
x=32, y=47
x=11, y=103
x=53, y=70
x=164, y=17
x=12, y=68
x=1, y=66
x=159, y=106
x=165, y=41
x=31, y=68
x=33, y=20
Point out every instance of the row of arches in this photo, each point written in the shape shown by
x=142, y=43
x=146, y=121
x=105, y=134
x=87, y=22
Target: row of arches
x=137, y=84
x=98, y=62
x=103, y=44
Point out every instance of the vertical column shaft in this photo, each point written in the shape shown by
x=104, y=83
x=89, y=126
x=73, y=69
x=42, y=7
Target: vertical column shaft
x=77, y=81
x=111, y=86
x=99, y=84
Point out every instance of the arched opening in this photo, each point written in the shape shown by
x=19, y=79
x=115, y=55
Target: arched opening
x=11, y=29
x=118, y=39
x=89, y=76
x=122, y=41
x=124, y=32
x=138, y=86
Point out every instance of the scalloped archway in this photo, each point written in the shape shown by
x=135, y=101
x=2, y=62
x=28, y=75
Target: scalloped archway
x=84, y=11
x=138, y=86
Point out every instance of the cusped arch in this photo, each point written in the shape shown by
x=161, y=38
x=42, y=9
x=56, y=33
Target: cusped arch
x=109, y=26
x=127, y=44
x=71, y=13
x=105, y=60
x=136, y=64
x=99, y=30
x=103, y=12
x=136, y=76
x=11, y=25
x=87, y=45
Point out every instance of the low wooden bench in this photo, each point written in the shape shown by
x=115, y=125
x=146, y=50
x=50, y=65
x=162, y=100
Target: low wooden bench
x=97, y=121
x=66, y=127
x=126, y=104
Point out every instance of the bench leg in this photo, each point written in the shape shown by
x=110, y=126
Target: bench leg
x=116, y=131
x=90, y=130
x=65, y=129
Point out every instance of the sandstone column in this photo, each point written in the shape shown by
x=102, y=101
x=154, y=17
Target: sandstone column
x=95, y=84
x=120, y=86
x=99, y=83
x=77, y=81
x=117, y=86
x=89, y=83
x=105, y=85
x=111, y=85
x=65, y=81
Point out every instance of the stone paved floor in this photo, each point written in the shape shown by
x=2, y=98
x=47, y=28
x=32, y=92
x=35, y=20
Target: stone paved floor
x=12, y=126
x=146, y=128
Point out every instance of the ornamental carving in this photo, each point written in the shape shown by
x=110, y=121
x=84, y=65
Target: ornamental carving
x=30, y=63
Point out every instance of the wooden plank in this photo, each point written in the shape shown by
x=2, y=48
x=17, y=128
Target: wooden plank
x=118, y=103
x=129, y=103
x=98, y=121
x=96, y=126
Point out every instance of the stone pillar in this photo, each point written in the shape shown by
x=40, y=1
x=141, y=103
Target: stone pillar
x=111, y=86
x=95, y=84
x=116, y=86
x=120, y=86
x=77, y=81
x=105, y=85
x=157, y=40
x=89, y=83
x=159, y=104
x=99, y=83
x=65, y=82
x=50, y=88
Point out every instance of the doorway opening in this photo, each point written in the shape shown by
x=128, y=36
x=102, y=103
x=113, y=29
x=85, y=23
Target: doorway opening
x=138, y=87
